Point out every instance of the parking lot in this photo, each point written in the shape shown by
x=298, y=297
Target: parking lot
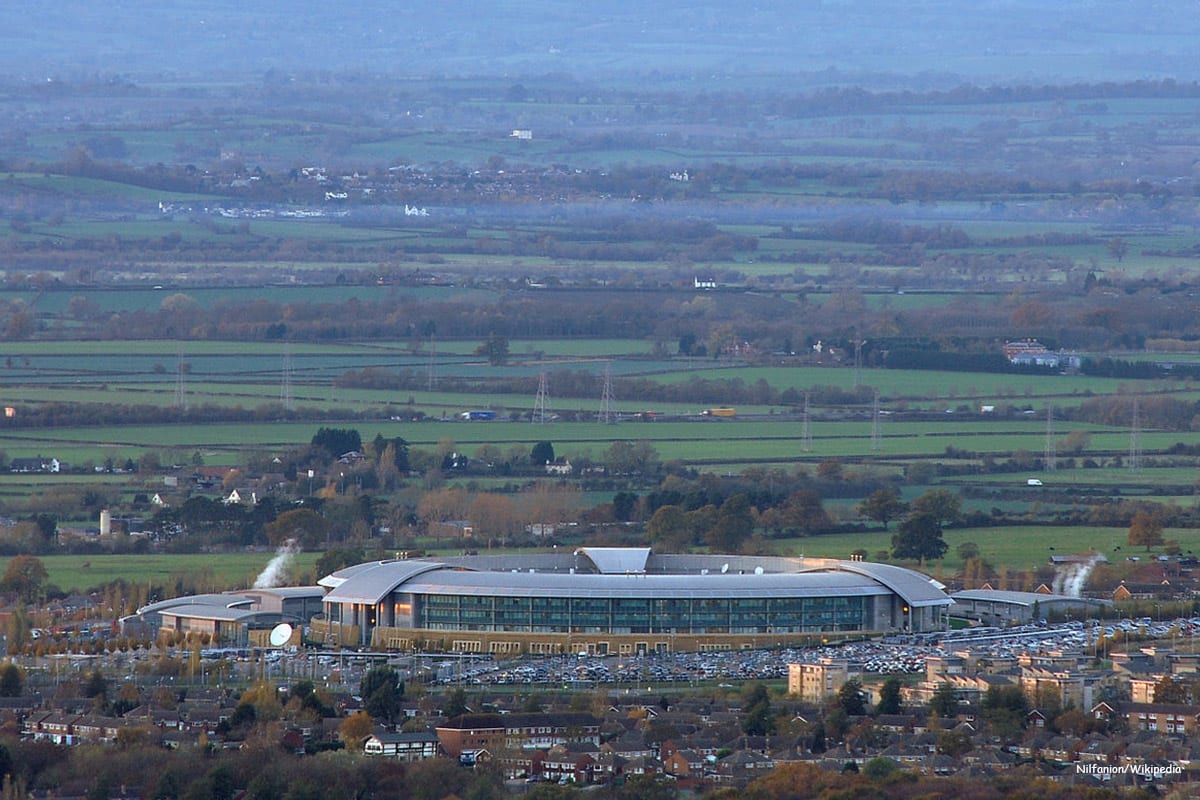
x=892, y=656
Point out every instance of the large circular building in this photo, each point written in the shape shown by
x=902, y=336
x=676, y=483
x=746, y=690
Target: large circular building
x=618, y=600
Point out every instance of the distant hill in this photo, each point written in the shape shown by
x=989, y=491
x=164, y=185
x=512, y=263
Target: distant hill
x=935, y=41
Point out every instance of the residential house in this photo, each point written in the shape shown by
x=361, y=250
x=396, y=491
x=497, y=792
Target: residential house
x=684, y=764
x=609, y=767
x=35, y=464
x=642, y=765
x=629, y=744
x=574, y=762
x=414, y=746
x=1168, y=718
x=54, y=726
x=95, y=729
x=742, y=767
x=560, y=467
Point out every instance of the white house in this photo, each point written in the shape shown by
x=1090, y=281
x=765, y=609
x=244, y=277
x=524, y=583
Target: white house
x=559, y=467
x=403, y=746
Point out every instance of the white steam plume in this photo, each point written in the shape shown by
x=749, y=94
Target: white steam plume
x=278, y=569
x=1069, y=579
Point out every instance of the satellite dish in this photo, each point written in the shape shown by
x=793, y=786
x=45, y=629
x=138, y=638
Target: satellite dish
x=724, y=568
x=281, y=634
x=758, y=570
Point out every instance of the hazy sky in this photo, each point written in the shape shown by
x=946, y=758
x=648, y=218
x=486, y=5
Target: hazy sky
x=984, y=40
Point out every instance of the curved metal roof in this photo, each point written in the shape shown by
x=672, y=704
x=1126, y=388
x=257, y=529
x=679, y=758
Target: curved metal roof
x=214, y=600
x=617, y=560
x=916, y=589
x=371, y=582
x=1026, y=599
x=711, y=586
x=631, y=572
x=219, y=613
x=336, y=579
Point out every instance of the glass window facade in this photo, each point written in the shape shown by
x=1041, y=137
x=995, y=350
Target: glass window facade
x=639, y=615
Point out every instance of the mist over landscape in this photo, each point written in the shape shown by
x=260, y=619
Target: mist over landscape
x=373, y=371
x=930, y=43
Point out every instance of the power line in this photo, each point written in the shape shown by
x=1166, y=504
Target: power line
x=1135, y=439
x=858, y=346
x=806, y=432
x=432, y=351
x=875, y=423
x=285, y=381
x=539, y=402
x=1051, y=455
x=606, y=397
x=180, y=390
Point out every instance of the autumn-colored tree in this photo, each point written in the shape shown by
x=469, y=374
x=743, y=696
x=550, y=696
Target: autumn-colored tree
x=1145, y=529
x=798, y=779
x=1074, y=442
x=355, y=729
x=830, y=470
x=942, y=504
x=669, y=529
x=1174, y=689
x=976, y=572
x=441, y=505
x=803, y=511
x=133, y=738
x=26, y=576
x=18, y=629
x=264, y=699
x=386, y=472
x=304, y=525
x=1032, y=315
x=494, y=516
x=882, y=505
x=549, y=502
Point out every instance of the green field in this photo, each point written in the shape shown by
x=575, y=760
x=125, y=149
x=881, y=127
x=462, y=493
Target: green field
x=1018, y=548
x=1015, y=547
x=210, y=572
